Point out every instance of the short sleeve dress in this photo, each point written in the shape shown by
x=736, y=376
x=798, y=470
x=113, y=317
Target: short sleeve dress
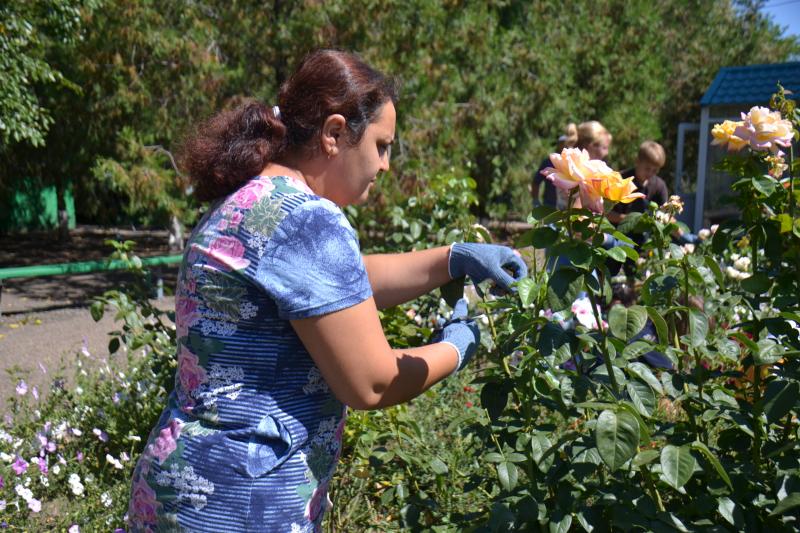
x=251, y=434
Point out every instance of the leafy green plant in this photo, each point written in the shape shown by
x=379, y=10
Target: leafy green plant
x=585, y=432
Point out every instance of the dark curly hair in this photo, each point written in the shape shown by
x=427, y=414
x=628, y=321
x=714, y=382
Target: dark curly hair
x=234, y=145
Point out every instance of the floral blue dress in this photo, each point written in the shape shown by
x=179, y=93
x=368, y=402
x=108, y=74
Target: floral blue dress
x=251, y=434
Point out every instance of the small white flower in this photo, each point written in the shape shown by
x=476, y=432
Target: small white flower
x=75, y=484
x=688, y=248
x=7, y=458
x=44, y=481
x=714, y=228
x=78, y=390
x=2, y=505
x=742, y=264
x=704, y=234
x=114, y=462
x=56, y=470
x=105, y=499
x=74, y=528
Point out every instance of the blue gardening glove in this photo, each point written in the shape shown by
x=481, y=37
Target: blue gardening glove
x=461, y=332
x=487, y=261
x=688, y=238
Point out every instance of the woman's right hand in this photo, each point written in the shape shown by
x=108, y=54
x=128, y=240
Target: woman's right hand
x=462, y=333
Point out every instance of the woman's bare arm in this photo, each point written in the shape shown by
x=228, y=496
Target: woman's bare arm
x=363, y=371
x=399, y=278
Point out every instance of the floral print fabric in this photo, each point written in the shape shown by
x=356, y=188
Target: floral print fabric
x=251, y=434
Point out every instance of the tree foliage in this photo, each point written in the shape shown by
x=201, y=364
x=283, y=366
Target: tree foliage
x=486, y=86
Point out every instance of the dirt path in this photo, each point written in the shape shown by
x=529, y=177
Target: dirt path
x=46, y=320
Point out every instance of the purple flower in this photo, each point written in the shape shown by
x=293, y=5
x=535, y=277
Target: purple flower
x=2, y=482
x=19, y=466
x=35, y=393
x=43, y=466
x=102, y=435
x=22, y=387
x=79, y=456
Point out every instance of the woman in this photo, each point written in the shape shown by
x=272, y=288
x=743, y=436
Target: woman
x=276, y=318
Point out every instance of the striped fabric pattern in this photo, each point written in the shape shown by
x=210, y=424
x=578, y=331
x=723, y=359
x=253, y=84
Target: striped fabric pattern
x=252, y=433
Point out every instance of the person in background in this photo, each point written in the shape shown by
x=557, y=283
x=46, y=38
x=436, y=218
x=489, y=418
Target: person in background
x=649, y=162
x=566, y=140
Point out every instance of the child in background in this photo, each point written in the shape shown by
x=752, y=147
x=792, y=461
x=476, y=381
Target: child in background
x=649, y=161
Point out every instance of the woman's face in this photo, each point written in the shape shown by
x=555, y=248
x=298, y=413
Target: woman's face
x=357, y=167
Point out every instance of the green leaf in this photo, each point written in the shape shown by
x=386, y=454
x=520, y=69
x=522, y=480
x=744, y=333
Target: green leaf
x=728, y=509
x=625, y=322
x=758, y=283
x=543, y=237
x=645, y=457
x=677, y=465
x=636, y=349
x=527, y=289
x=494, y=457
x=769, y=352
x=617, y=436
x=643, y=372
x=617, y=254
x=764, y=184
x=563, y=288
x=97, y=309
x=113, y=345
x=789, y=502
x=661, y=325
x=698, y=328
x=562, y=526
x=642, y=397
x=539, y=446
x=494, y=398
x=702, y=448
x=781, y=396
x=507, y=472
x=713, y=266
x=438, y=466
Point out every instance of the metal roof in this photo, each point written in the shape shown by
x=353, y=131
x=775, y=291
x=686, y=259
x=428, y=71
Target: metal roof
x=753, y=84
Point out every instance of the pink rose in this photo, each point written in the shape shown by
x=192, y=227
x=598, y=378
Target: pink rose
x=229, y=251
x=190, y=373
x=252, y=193
x=222, y=225
x=186, y=311
x=166, y=443
x=144, y=506
x=236, y=219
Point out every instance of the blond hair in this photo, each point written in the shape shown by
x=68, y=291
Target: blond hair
x=653, y=153
x=569, y=138
x=592, y=132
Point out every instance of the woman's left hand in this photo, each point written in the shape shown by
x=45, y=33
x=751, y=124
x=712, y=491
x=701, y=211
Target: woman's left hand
x=501, y=264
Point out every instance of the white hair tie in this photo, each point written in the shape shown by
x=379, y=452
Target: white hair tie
x=276, y=111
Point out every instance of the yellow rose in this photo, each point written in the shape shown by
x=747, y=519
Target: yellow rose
x=725, y=134
x=613, y=187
